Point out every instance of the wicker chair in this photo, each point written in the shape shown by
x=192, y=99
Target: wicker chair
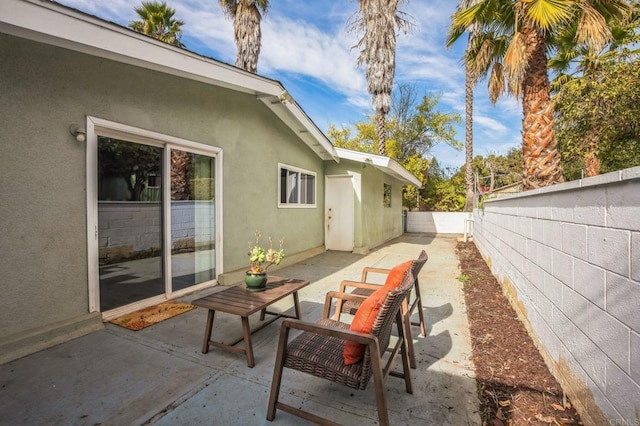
x=363, y=288
x=319, y=351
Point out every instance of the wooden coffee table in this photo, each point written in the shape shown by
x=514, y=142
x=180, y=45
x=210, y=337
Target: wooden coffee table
x=238, y=300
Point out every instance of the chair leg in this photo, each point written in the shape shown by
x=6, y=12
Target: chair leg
x=423, y=328
x=405, y=356
x=378, y=382
x=277, y=373
x=406, y=318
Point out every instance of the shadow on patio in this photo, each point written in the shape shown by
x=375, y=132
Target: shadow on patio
x=159, y=376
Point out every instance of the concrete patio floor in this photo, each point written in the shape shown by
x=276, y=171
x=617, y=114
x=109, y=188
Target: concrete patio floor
x=159, y=376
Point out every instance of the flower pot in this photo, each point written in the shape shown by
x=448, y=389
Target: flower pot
x=256, y=282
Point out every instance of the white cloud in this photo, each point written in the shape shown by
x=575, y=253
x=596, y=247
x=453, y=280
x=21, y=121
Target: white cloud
x=300, y=47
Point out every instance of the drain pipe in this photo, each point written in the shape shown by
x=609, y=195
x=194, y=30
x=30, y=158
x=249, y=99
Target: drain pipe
x=468, y=227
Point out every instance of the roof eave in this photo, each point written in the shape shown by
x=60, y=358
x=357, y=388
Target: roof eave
x=385, y=164
x=61, y=26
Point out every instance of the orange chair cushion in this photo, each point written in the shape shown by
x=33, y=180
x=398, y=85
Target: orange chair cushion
x=353, y=352
x=397, y=273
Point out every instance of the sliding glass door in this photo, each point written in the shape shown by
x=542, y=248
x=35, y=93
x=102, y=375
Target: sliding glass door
x=154, y=212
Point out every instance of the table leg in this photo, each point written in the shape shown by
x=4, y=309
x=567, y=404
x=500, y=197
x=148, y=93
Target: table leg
x=296, y=304
x=262, y=314
x=207, y=331
x=246, y=331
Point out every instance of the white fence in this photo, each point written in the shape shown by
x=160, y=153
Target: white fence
x=438, y=222
x=568, y=258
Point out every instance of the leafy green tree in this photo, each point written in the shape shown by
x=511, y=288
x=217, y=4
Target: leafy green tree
x=378, y=19
x=131, y=162
x=416, y=127
x=588, y=84
x=442, y=191
x=157, y=21
x=598, y=120
x=413, y=128
x=496, y=171
x=246, y=15
x=512, y=49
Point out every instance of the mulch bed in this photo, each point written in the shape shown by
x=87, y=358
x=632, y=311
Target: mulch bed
x=514, y=384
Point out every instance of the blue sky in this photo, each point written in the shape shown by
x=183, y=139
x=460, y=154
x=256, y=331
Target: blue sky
x=305, y=46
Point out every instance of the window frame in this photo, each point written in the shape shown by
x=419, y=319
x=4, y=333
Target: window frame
x=299, y=171
x=384, y=195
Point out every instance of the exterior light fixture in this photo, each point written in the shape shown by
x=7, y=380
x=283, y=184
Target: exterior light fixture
x=78, y=133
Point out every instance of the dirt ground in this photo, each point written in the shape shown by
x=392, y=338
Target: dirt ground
x=514, y=384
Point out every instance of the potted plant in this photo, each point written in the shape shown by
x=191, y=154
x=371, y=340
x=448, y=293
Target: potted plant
x=259, y=261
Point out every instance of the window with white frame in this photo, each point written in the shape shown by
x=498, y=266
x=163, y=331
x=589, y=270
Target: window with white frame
x=297, y=187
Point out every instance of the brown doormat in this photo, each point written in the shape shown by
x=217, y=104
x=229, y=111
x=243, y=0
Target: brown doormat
x=146, y=317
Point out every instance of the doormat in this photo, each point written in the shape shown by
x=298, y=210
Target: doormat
x=146, y=317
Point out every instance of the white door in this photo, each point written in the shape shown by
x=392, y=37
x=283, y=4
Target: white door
x=339, y=205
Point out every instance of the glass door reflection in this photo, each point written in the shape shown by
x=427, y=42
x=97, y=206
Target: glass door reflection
x=129, y=222
x=192, y=219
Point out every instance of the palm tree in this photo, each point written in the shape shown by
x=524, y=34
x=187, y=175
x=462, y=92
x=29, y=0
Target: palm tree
x=157, y=21
x=246, y=27
x=513, y=43
x=379, y=19
x=469, y=83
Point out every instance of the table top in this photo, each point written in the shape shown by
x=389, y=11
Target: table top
x=238, y=300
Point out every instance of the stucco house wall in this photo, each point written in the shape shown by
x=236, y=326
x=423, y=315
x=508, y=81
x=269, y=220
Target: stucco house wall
x=43, y=211
x=374, y=224
x=62, y=67
x=568, y=258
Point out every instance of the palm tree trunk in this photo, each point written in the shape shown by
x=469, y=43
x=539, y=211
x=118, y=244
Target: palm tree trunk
x=382, y=132
x=539, y=146
x=468, y=138
x=247, y=35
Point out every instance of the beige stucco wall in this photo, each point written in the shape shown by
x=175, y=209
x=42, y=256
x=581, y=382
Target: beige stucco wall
x=374, y=223
x=43, y=212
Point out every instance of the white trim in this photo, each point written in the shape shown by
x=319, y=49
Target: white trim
x=297, y=170
x=97, y=126
x=387, y=165
x=93, y=263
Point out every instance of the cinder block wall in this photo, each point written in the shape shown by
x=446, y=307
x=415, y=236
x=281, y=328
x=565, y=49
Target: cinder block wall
x=568, y=258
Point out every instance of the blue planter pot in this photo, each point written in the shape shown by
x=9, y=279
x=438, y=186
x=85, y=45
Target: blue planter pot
x=256, y=282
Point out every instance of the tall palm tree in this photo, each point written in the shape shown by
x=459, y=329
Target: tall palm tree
x=512, y=46
x=157, y=21
x=246, y=27
x=379, y=19
x=470, y=80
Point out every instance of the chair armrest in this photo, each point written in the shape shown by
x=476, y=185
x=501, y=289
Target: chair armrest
x=358, y=284
x=368, y=269
x=341, y=296
x=311, y=327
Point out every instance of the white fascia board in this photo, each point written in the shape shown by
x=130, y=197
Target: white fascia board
x=385, y=164
x=298, y=121
x=57, y=25
x=61, y=26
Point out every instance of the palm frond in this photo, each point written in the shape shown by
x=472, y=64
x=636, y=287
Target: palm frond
x=515, y=61
x=496, y=82
x=546, y=14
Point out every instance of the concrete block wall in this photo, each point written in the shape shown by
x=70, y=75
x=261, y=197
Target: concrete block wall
x=137, y=225
x=568, y=258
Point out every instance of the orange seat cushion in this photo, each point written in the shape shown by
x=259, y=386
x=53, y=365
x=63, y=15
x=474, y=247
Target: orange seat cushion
x=365, y=316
